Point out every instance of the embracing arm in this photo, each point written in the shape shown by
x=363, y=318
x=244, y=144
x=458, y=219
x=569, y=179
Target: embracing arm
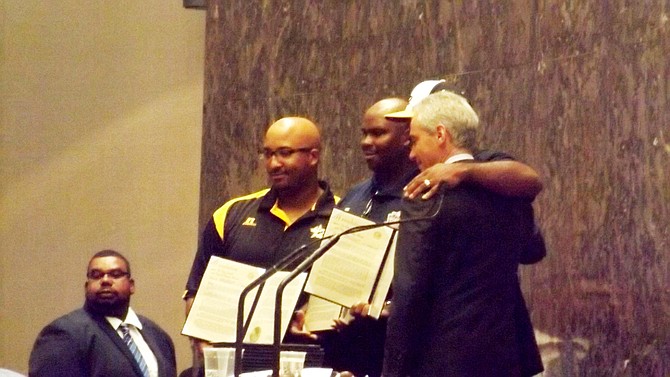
x=505, y=177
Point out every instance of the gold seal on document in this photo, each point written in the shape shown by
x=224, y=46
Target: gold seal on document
x=255, y=334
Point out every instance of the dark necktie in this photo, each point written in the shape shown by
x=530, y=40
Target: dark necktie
x=134, y=350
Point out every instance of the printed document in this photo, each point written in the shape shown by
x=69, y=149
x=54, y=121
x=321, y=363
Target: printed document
x=321, y=314
x=350, y=271
x=213, y=316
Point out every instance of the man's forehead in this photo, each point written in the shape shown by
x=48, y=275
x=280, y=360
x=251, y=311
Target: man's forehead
x=289, y=138
x=375, y=125
x=282, y=143
x=381, y=122
x=107, y=262
x=416, y=128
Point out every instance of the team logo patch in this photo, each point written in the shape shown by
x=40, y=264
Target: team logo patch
x=393, y=216
x=250, y=221
x=318, y=231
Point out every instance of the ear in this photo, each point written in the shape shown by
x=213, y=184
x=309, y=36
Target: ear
x=405, y=137
x=132, y=285
x=314, y=156
x=443, y=134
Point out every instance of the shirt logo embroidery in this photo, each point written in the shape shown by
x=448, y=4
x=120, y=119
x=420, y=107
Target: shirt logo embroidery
x=317, y=232
x=393, y=216
x=250, y=221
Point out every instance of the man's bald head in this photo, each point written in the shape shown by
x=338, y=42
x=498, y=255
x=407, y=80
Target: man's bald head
x=302, y=132
x=387, y=106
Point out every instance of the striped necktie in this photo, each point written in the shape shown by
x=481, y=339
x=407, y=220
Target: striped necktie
x=134, y=350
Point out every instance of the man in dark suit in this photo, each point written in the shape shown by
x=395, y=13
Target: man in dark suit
x=105, y=337
x=456, y=289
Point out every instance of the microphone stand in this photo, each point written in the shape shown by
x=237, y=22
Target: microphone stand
x=240, y=326
x=304, y=265
x=286, y=261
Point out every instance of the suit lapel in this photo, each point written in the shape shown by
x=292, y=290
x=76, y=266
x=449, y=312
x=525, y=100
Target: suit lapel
x=118, y=342
x=148, y=335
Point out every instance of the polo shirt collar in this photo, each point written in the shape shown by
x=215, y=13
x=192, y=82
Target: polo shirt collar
x=323, y=206
x=395, y=190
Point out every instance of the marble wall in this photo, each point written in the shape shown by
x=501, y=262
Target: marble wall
x=577, y=89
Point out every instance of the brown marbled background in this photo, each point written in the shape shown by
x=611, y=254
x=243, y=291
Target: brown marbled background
x=577, y=89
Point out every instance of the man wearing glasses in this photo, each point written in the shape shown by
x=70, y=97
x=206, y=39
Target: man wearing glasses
x=261, y=228
x=106, y=337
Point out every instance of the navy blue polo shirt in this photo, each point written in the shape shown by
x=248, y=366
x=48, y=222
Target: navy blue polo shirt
x=373, y=201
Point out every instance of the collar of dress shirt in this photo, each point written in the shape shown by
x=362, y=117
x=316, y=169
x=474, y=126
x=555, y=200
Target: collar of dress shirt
x=131, y=319
x=459, y=157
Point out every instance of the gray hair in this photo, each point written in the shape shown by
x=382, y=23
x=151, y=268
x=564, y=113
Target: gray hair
x=453, y=112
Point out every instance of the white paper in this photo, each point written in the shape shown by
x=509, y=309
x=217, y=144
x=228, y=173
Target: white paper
x=213, y=316
x=384, y=284
x=306, y=372
x=320, y=314
x=346, y=273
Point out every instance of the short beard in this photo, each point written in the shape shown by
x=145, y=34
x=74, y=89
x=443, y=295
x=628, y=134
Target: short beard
x=117, y=309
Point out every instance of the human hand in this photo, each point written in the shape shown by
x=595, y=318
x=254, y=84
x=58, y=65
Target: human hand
x=340, y=324
x=197, y=346
x=386, y=309
x=297, y=326
x=360, y=310
x=428, y=181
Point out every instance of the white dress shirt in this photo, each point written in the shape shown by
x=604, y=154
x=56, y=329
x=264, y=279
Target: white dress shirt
x=134, y=325
x=459, y=157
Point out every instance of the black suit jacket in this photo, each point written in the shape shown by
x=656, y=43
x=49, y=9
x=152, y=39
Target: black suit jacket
x=456, y=297
x=81, y=344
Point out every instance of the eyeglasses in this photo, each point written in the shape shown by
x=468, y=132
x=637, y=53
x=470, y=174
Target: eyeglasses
x=114, y=274
x=282, y=153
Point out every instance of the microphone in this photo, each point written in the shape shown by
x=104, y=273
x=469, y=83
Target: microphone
x=303, y=266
